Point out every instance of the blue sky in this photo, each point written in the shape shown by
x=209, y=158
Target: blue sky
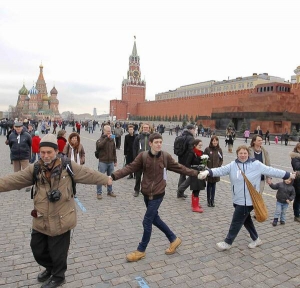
x=85, y=45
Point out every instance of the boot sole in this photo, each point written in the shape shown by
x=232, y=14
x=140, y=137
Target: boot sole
x=135, y=260
x=170, y=253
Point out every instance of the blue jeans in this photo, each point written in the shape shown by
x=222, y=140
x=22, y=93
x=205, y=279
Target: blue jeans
x=241, y=216
x=33, y=157
x=281, y=210
x=210, y=191
x=107, y=168
x=151, y=217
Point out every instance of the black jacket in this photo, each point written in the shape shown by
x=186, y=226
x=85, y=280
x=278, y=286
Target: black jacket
x=20, y=148
x=189, y=143
x=193, y=159
x=128, y=145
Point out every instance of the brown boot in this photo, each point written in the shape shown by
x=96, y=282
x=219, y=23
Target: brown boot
x=173, y=246
x=135, y=256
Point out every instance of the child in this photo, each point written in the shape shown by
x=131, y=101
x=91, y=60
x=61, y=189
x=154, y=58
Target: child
x=285, y=195
x=276, y=139
x=35, y=147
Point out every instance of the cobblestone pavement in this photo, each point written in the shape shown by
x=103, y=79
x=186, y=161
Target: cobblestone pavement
x=112, y=227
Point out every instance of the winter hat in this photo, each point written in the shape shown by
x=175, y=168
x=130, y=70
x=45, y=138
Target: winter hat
x=190, y=126
x=36, y=133
x=49, y=140
x=18, y=124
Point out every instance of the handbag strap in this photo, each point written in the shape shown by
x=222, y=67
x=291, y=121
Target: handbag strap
x=248, y=183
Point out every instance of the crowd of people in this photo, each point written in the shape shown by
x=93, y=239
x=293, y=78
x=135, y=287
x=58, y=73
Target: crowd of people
x=144, y=162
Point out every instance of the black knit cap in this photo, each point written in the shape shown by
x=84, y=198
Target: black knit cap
x=49, y=140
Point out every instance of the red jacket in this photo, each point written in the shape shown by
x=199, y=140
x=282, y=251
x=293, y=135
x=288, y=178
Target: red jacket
x=35, y=146
x=61, y=142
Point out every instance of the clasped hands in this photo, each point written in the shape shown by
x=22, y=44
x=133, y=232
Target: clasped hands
x=203, y=174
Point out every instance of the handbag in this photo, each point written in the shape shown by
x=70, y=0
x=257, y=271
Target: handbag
x=259, y=206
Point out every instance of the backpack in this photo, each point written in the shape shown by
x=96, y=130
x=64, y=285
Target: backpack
x=180, y=145
x=145, y=157
x=66, y=164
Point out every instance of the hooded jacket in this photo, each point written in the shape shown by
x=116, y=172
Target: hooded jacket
x=215, y=160
x=76, y=150
x=53, y=218
x=253, y=169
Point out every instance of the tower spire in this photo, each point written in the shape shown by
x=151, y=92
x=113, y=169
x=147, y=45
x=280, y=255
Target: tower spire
x=134, y=50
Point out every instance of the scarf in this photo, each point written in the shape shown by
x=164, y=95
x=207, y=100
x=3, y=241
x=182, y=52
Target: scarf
x=198, y=153
x=77, y=160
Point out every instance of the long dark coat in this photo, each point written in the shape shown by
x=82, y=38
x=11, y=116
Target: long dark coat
x=193, y=159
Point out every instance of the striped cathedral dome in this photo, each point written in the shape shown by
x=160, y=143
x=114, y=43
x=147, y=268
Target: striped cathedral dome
x=33, y=91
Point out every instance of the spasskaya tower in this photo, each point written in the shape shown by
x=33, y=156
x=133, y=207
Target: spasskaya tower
x=133, y=89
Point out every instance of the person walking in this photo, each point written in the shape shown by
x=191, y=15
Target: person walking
x=267, y=137
x=285, y=195
x=61, y=140
x=52, y=219
x=154, y=166
x=189, y=135
x=242, y=201
x=74, y=149
x=107, y=158
x=128, y=147
x=118, y=134
x=35, y=148
x=193, y=161
x=246, y=135
x=230, y=136
x=295, y=162
x=20, y=143
x=215, y=160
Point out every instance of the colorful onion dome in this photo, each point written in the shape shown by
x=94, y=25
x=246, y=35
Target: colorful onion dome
x=33, y=91
x=23, y=91
x=53, y=90
x=45, y=98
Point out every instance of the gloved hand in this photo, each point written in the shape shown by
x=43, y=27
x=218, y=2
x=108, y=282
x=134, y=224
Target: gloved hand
x=202, y=175
x=293, y=175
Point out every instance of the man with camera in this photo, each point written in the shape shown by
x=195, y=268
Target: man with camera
x=54, y=213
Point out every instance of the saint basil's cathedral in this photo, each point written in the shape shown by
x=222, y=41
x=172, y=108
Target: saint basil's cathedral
x=36, y=104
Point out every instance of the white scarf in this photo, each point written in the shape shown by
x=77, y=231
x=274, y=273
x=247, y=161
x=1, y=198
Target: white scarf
x=73, y=156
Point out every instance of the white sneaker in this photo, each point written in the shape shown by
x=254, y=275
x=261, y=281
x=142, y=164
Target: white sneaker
x=223, y=246
x=255, y=243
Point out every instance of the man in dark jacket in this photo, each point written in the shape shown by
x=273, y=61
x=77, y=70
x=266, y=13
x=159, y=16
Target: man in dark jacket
x=153, y=190
x=140, y=144
x=189, y=133
x=128, y=147
x=107, y=158
x=20, y=147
